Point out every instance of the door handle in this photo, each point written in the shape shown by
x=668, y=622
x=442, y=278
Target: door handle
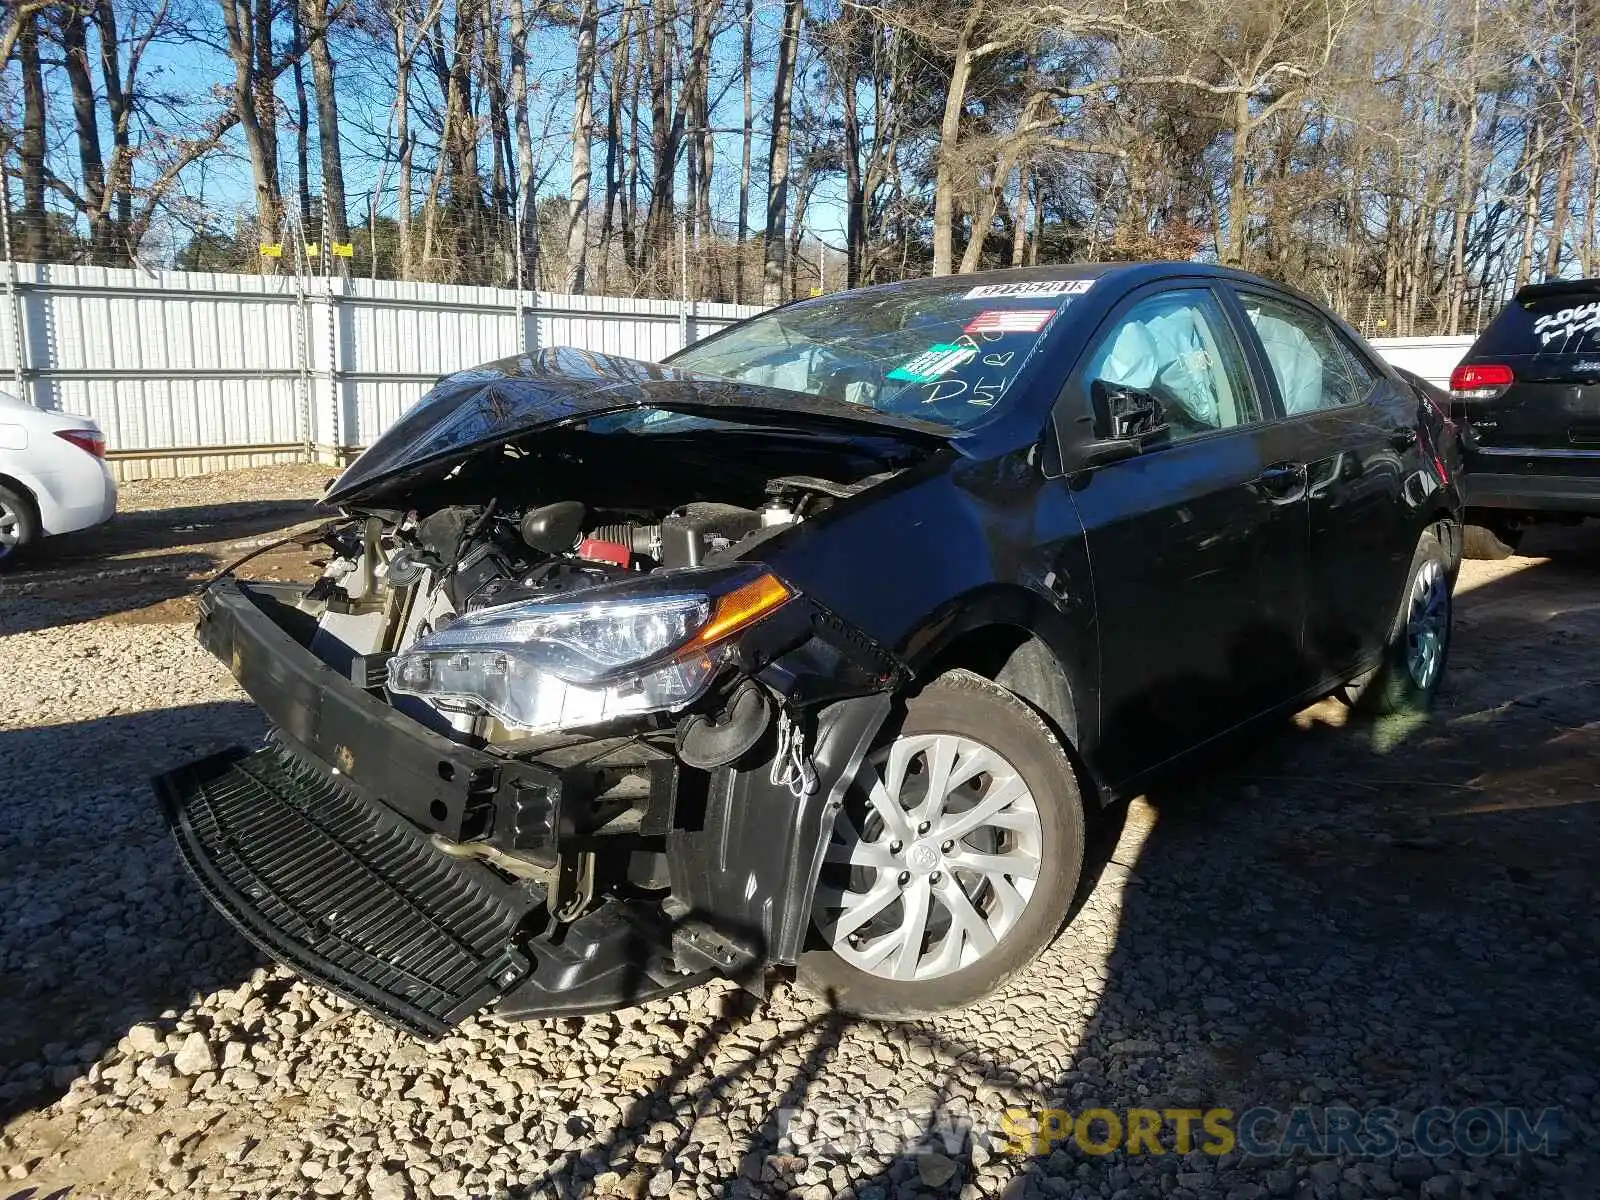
x=1283, y=483
x=1403, y=438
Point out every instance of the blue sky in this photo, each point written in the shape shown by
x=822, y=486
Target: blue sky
x=201, y=74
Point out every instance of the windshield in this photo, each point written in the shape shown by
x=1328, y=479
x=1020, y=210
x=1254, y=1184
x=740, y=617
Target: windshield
x=945, y=356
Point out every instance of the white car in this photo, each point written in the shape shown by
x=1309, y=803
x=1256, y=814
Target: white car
x=53, y=475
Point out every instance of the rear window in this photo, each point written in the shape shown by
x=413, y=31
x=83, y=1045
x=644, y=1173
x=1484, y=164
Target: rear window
x=1546, y=326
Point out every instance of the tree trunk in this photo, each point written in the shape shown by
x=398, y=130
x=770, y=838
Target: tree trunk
x=1238, y=198
x=74, y=45
x=855, y=200
x=527, y=231
x=1466, y=179
x=119, y=174
x=582, y=137
x=1019, y=218
x=1590, y=261
x=33, y=242
x=322, y=74
x=402, y=105
x=614, y=102
x=989, y=203
x=302, y=123
x=747, y=62
x=461, y=129
x=703, y=148
x=257, y=121
x=499, y=128
x=632, y=254
x=777, y=244
x=1558, y=215
x=944, y=178
x=1533, y=173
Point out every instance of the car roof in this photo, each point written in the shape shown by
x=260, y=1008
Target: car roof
x=1129, y=274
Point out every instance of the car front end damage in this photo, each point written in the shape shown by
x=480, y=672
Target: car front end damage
x=545, y=756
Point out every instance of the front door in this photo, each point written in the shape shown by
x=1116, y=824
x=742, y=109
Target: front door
x=1197, y=544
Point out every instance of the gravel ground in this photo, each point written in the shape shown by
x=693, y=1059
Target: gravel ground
x=1334, y=915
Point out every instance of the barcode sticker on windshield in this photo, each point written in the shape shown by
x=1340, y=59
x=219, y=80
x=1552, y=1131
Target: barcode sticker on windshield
x=1038, y=287
x=1010, y=320
x=932, y=363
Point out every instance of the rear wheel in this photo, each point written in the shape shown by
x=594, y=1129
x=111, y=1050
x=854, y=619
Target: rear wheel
x=1495, y=540
x=1419, y=641
x=955, y=858
x=18, y=526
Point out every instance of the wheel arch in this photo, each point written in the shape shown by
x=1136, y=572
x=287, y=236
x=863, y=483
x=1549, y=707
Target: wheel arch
x=1023, y=642
x=28, y=494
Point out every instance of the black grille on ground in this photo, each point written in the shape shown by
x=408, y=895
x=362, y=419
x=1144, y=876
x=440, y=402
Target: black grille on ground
x=345, y=891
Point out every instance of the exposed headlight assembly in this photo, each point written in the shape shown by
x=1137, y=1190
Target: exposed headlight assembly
x=547, y=664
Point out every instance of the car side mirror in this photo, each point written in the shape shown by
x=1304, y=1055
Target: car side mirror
x=1125, y=412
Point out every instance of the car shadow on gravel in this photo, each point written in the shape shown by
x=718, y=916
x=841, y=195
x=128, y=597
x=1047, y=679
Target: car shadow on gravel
x=146, y=565
x=155, y=529
x=102, y=927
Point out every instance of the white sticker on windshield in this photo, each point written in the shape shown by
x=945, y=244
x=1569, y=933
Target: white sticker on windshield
x=1039, y=287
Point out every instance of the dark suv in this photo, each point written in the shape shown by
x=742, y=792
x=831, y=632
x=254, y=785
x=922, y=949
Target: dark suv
x=1527, y=396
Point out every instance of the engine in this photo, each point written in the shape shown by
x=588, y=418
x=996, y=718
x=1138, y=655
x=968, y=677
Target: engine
x=484, y=556
x=388, y=584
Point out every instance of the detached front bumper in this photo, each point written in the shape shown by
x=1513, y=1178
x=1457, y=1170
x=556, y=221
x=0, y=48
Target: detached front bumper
x=352, y=849
x=345, y=892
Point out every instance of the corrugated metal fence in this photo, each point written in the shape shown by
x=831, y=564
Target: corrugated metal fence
x=193, y=371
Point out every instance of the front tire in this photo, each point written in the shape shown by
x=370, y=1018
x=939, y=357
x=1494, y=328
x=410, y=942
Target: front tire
x=1407, y=679
x=954, y=861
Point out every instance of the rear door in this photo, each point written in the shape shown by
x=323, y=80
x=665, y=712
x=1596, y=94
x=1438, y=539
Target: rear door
x=1549, y=336
x=1197, y=544
x=1355, y=431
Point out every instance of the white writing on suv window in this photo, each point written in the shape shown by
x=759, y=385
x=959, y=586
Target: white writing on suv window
x=1567, y=323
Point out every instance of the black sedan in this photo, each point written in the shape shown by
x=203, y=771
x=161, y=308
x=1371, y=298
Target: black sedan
x=810, y=647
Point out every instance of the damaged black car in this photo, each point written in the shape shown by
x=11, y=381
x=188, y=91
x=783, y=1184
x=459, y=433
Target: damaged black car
x=809, y=649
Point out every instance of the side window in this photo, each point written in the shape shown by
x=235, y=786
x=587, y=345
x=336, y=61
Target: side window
x=1177, y=348
x=1314, y=367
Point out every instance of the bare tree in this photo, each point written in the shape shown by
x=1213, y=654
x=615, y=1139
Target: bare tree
x=317, y=19
x=776, y=250
x=582, y=139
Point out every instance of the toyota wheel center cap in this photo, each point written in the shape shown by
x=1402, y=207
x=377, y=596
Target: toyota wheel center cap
x=923, y=857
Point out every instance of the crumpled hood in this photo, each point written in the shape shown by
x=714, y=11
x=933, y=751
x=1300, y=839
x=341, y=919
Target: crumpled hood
x=483, y=407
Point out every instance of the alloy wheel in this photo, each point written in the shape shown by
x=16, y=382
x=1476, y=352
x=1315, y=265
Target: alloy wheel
x=1427, y=624
x=933, y=860
x=10, y=529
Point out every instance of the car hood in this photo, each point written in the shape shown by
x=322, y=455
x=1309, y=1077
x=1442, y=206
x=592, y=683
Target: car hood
x=486, y=406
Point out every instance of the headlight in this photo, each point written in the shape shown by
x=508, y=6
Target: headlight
x=545, y=664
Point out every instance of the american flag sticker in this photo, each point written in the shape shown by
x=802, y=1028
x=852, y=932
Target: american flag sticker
x=1010, y=320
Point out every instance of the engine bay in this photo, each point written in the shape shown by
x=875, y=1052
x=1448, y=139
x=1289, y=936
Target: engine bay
x=393, y=579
